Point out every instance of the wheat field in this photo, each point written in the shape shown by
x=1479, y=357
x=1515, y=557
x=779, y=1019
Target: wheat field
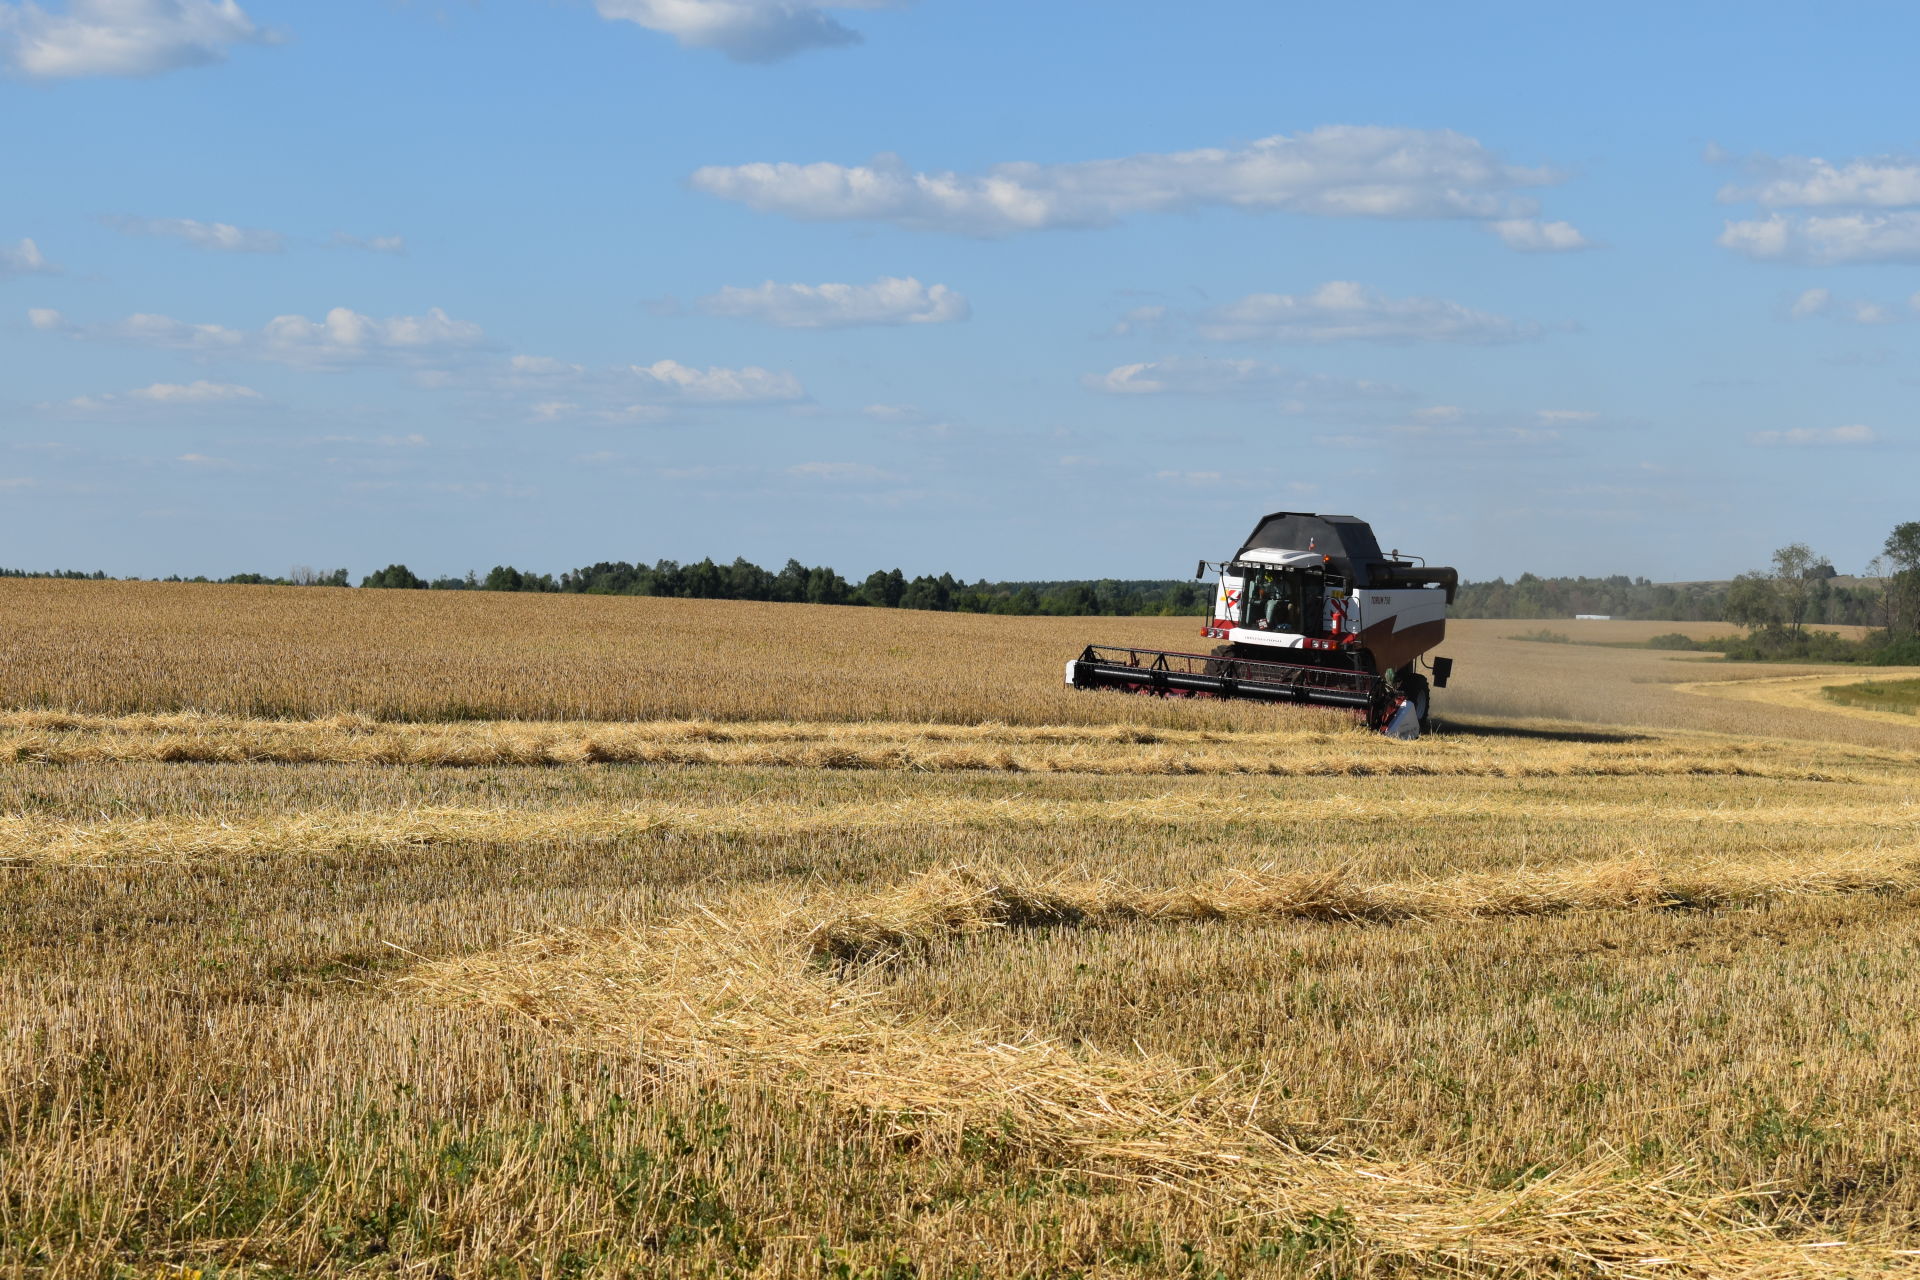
x=362, y=933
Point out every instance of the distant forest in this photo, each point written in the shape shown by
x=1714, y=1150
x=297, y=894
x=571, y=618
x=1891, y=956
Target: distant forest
x=743, y=580
x=1528, y=596
x=1838, y=603
x=1834, y=601
x=816, y=584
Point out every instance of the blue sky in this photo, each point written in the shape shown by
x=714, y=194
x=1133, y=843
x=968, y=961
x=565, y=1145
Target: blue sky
x=1007, y=290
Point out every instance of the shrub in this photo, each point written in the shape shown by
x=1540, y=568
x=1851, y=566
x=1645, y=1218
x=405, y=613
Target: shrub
x=1904, y=652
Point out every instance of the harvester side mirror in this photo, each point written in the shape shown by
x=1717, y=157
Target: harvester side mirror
x=1442, y=672
x=1201, y=572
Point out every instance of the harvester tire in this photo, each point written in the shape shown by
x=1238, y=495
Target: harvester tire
x=1420, y=695
x=1218, y=668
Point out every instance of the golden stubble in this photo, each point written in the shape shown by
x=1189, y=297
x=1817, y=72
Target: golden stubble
x=351, y=933
x=730, y=994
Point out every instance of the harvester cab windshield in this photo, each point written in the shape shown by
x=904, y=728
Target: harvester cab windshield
x=1311, y=611
x=1287, y=600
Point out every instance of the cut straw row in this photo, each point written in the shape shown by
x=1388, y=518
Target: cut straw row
x=40, y=840
x=734, y=997
x=1311, y=746
x=958, y=901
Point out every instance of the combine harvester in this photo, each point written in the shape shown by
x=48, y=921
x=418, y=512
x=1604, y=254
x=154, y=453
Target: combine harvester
x=1312, y=612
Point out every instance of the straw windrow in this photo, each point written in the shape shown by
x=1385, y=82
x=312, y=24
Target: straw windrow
x=1312, y=745
x=42, y=840
x=733, y=997
x=962, y=900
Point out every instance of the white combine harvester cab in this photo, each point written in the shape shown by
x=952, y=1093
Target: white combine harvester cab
x=1309, y=610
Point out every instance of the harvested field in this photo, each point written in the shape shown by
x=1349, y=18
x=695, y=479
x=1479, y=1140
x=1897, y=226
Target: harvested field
x=378, y=933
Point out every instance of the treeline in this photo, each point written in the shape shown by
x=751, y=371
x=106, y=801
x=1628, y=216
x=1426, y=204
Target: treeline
x=797, y=583
x=96, y=576
x=1800, y=590
x=299, y=576
x=1835, y=605
x=1782, y=604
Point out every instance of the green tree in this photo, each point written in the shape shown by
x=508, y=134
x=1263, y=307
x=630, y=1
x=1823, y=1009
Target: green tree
x=394, y=575
x=883, y=588
x=824, y=586
x=790, y=584
x=748, y=581
x=1797, y=582
x=1752, y=602
x=1902, y=554
x=1903, y=545
x=927, y=592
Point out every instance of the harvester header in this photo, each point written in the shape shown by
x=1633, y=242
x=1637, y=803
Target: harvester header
x=1310, y=611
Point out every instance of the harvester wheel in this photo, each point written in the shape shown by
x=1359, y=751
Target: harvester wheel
x=1418, y=693
x=1219, y=668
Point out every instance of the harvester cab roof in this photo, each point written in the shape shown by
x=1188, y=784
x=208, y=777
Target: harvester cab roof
x=1312, y=612
x=1265, y=558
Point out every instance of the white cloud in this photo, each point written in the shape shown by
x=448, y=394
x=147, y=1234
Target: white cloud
x=1530, y=235
x=122, y=37
x=905, y=414
x=544, y=367
x=616, y=414
x=342, y=337
x=1137, y=320
x=744, y=30
x=1827, y=239
x=636, y=393
x=1872, y=204
x=1335, y=171
x=1758, y=239
x=201, y=392
x=45, y=318
x=671, y=380
x=1460, y=432
x=372, y=244
x=1341, y=311
x=223, y=236
x=840, y=471
x=890, y=300
x=1809, y=182
x=413, y=440
x=25, y=259
x=1813, y=302
x=1185, y=375
x=168, y=394
x=1806, y=436
x=1198, y=479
